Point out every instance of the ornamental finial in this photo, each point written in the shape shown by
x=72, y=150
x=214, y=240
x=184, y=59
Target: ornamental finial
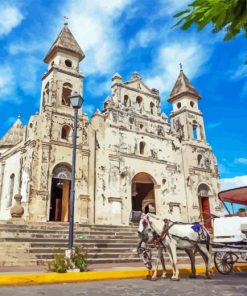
x=65, y=20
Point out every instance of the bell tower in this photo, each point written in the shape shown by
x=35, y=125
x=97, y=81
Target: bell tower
x=63, y=76
x=186, y=118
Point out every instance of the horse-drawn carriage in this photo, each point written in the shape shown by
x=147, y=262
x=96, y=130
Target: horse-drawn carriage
x=230, y=232
x=229, y=241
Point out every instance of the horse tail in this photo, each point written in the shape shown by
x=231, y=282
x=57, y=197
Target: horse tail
x=208, y=241
x=208, y=238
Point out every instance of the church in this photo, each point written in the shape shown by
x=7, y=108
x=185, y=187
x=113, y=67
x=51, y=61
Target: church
x=130, y=157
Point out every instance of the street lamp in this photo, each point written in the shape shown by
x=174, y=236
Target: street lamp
x=76, y=101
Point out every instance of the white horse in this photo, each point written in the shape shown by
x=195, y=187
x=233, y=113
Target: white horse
x=179, y=236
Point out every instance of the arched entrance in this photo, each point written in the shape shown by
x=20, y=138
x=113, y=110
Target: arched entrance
x=143, y=199
x=203, y=195
x=60, y=193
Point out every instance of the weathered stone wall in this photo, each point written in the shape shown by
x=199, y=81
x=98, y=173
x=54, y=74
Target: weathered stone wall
x=10, y=167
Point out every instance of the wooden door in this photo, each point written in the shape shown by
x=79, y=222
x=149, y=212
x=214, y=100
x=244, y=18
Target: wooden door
x=58, y=209
x=206, y=212
x=65, y=201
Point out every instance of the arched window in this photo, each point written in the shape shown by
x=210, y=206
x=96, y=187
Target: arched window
x=199, y=158
x=11, y=189
x=152, y=108
x=126, y=101
x=46, y=94
x=139, y=103
x=67, y=90
x=194, y=126
x=65, y=132
x=142, y=147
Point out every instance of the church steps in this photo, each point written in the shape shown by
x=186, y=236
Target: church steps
x=82, y=242
x=32, y=244
x=85, y=244
x=64, y=226
x=48, y=231
x=80, y=237
x=94, y=253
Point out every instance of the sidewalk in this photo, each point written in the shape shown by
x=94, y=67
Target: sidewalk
x=39, y=275
x=91, y=267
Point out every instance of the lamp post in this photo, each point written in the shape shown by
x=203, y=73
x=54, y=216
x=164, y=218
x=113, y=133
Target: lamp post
x=76, y=101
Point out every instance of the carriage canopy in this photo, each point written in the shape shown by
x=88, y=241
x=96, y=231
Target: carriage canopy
x=236, y=195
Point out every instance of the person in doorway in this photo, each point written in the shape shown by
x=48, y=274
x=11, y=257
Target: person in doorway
x=149, y=209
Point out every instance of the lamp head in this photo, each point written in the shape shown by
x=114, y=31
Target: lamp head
x=76, y=100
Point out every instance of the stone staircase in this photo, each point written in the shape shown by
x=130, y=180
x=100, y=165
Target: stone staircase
x=32, y=244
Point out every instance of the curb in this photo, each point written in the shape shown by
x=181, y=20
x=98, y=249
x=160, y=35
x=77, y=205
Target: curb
x=52, y=278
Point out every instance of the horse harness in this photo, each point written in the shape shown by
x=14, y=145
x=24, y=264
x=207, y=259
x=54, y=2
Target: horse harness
x=165, y=232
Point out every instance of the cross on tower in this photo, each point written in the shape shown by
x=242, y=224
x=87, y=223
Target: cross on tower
x=65, y=20
x=181, y=67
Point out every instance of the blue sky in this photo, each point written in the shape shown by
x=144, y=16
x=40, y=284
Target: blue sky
x=125, y=36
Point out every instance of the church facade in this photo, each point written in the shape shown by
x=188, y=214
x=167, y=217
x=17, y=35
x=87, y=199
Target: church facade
x=130, y=158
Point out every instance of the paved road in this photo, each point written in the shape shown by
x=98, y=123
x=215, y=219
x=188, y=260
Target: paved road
x=234, y=284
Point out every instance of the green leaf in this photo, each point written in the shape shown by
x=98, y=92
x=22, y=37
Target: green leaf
x=181, y=13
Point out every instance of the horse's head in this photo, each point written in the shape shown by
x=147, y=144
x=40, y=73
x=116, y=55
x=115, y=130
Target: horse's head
x=144, y=230
x=146, y=255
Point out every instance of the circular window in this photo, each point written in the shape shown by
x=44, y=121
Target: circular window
x=68, y=63
x=191, y=104
x=179, y=105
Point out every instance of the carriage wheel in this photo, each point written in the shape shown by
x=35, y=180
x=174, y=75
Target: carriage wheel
x=223, y=262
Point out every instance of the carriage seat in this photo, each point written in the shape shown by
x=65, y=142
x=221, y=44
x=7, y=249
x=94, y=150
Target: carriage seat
x=230, y=229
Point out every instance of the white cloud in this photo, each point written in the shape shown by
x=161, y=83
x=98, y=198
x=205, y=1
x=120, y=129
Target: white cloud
x=223, y=168
x=229, y=183
x=10, y=18
x=27, y=75
x=241, y=160
x=10, y=121
x=93, y=25
x=190, y=53
x=240, y=73
x=26, y=47
x=89, y=109
x=171, y=7
x=6, y=82
x=214, y=124
x=144, y=37
x=20, y=75
x=99, y=87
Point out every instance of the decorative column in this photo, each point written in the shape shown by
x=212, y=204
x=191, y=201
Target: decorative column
x=157, y=199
